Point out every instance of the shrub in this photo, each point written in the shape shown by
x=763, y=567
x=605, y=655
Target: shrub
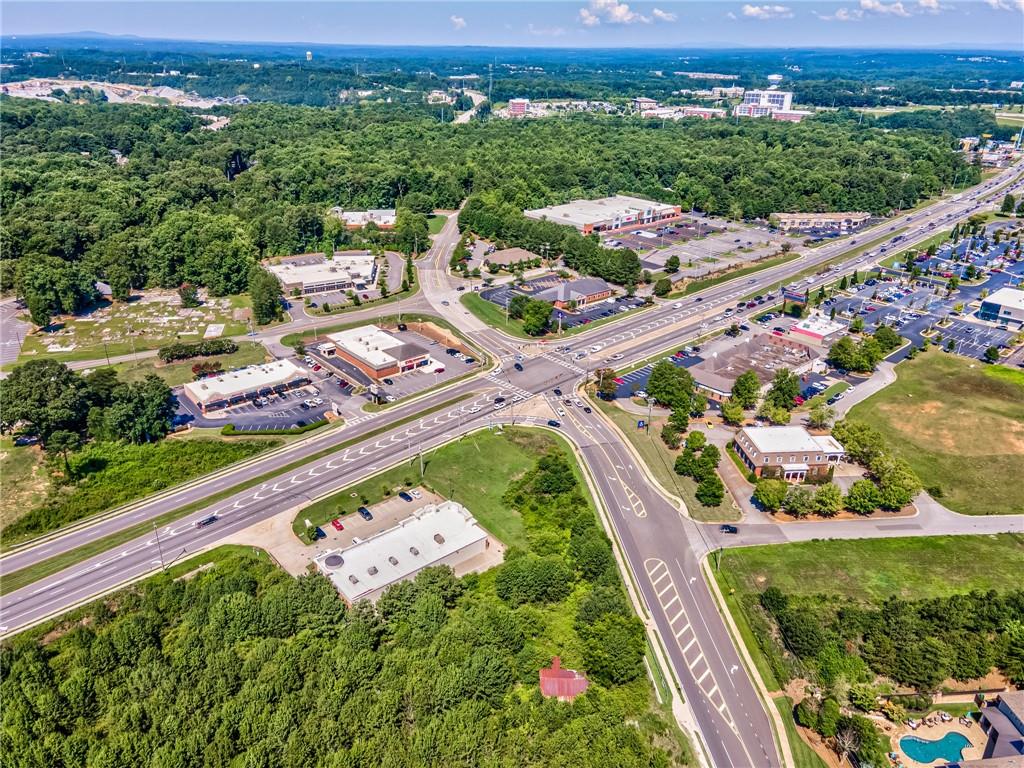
x=230, y=430
x=206, y=348
x=806, y=714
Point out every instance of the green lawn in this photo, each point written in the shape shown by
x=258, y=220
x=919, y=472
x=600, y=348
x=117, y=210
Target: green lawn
x=435, y=222
x=181, y=372
x=475, y=471
x=494, y=316
x=24, y=477
x=875, y=569
x=960, y=425
x=660, y=460
x=134, y=326
x=803, y=755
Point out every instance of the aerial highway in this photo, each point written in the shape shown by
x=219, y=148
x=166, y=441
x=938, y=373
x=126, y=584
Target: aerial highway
x=662, y=546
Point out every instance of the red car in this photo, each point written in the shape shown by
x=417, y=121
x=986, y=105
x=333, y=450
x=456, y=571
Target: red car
x=317, y=367
x=619, y=380
x=777, y=332
x=337, y=525
x=798, y=400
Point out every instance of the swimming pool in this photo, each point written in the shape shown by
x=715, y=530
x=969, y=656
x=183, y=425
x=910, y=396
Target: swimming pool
x=948, y=749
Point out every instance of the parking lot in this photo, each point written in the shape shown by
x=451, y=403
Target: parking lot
x=631, y=383
x=502, y=294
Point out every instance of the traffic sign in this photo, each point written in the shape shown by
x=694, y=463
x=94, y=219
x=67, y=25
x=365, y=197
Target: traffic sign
x=641, y=424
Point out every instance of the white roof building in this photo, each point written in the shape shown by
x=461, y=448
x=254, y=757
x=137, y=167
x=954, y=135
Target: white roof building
x=382, y=217
x=220, y=391
x=376, y=352
x=437, y=534
x=607, y=214
x=340, y=273
x=1004, y=306
x=790, y=440
x=817, y=327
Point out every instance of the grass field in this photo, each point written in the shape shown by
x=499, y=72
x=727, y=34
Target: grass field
x=435, y=222
x=875, y=569
x=494, y=316
x=24, y=477
x=960, y=425
x=699, y=285
x=146, y=323
x=475, y=471
x=181, y=372
x=660, y=460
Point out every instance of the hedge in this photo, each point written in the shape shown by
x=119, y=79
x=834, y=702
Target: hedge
x=205, y=348
x=231, y=430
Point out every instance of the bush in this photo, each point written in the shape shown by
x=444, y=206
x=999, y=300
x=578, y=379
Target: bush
x=806, y=714
x=670, y=436
x=533, y=579
x=230, y=430
x=710, y=491
x=204, y=348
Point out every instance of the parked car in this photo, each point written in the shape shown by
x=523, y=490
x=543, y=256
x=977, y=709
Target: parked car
x=405, y=496
x=403, y=327
x=389, y=382
x=337, y=525
x=416, y=494
x=365, y=513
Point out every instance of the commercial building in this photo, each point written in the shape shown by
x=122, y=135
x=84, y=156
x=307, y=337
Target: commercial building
x=1004, y=306
x=376, y=352
x=576, y=293
x=608, y=215
x=518, y=106
x=678, y=113
x=318, y=275
x=437, y=534
x=642, y=104
x=562, y=684
x=764, y=354
x=234, y=387
x=707, y=113
x=789, y=453
x=842, y=222
x=384, y=218
x=818, y=328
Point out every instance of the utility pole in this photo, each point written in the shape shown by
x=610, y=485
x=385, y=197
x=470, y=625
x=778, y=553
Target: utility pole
x=158, y=547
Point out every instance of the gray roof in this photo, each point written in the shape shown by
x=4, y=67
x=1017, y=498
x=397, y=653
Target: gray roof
x=573, y=289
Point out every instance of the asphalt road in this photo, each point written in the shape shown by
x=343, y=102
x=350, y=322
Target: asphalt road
x=663, y=548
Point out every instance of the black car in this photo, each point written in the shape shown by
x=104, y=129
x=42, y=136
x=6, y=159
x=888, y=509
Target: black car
x=554, y=423
x=728, y=529
x=518, y=366
x=364, y=513
x=558, y=392
x=587, y=409
x=403, y=327
x=699, y=298
x=389, y=382
x=499, y=399
x=303, y=406
x=469, y=360
x=404, y=496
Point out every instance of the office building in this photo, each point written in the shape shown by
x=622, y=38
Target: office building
x=788, y=453
x=234, y=387
x=572, y=294
x=346, y=271
x=775, y=104
x=384, y=218
x=518, y=106
x=608, y=215
x=377, y=353
x=436, y=534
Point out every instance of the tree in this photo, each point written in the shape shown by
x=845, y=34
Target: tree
x=747, y=389
x=266, y=295
x=821, y=416
x=613, y=649
x=861, y=441
x=670, y=436
x=46, y=396
x=120, y=280
x=710, y=491
x=662, y=287
x=1009, y=204
x=61, y=442
x=770, y=494
x=140, y=412
x=536, y=317
x=828, y=500
x=696, y=441
x=732, y=413
x=784, y=390
x=887, y=338
x=862, y=497
x=189, y=295
x=898, y=484
x=799, y=501
x=672, y=264
x=992, y=355
x=606, y=386
x=670, y=385
x=418, y=202
x=857, y=325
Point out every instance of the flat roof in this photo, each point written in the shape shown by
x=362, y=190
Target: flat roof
x=428, y=536
x=1006, y=297
x=790, y=439
x=581, y=212
x=249, y=379
x=385, y=216
x=817, y=325
x=341, y=267
x=375, y=346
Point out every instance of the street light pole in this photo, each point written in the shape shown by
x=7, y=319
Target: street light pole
x=158, y=547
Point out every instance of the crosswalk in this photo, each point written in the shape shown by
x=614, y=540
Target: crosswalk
x=506, y=387
x=682, y=632
x=567, y=364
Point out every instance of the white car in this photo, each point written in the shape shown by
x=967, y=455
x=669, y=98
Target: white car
x=318, y=400
x=595, y=348
x=415, y=494
x=561, y=412
x=641, y=394
x=310, y=403
x=390, y=398
x=578, y=403
x=475, y=409
x=677, y=305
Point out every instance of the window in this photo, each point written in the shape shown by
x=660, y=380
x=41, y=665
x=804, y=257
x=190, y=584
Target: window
x=778, y=459
x=818, y=457
x=766, y=459
x=805, y=459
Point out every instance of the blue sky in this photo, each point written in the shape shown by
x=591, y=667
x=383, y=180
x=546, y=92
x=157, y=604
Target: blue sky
x=598, y=23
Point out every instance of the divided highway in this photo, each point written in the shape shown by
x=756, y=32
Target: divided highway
x=662, y=546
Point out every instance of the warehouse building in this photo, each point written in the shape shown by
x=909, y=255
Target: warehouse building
x=788, y=453
x=384, y=218
x=377, y=353
x=437, y=534
x=356, y=271
x=234, y=387
x=1004, y=306
x=608, y=214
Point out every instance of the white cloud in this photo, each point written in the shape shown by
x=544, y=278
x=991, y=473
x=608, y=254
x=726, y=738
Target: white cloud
x=767, y=12
x=1006, y=5
x=929, y=6
x=615, y=12
x=890, y=9
x=457, y=21
x=842, y=14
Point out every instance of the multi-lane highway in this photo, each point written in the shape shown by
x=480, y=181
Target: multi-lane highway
x=662, y=546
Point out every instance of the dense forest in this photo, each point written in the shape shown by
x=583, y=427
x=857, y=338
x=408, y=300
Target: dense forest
x=199, y=206
x=242, y=665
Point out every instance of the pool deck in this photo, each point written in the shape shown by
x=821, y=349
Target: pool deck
x=935, y=732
